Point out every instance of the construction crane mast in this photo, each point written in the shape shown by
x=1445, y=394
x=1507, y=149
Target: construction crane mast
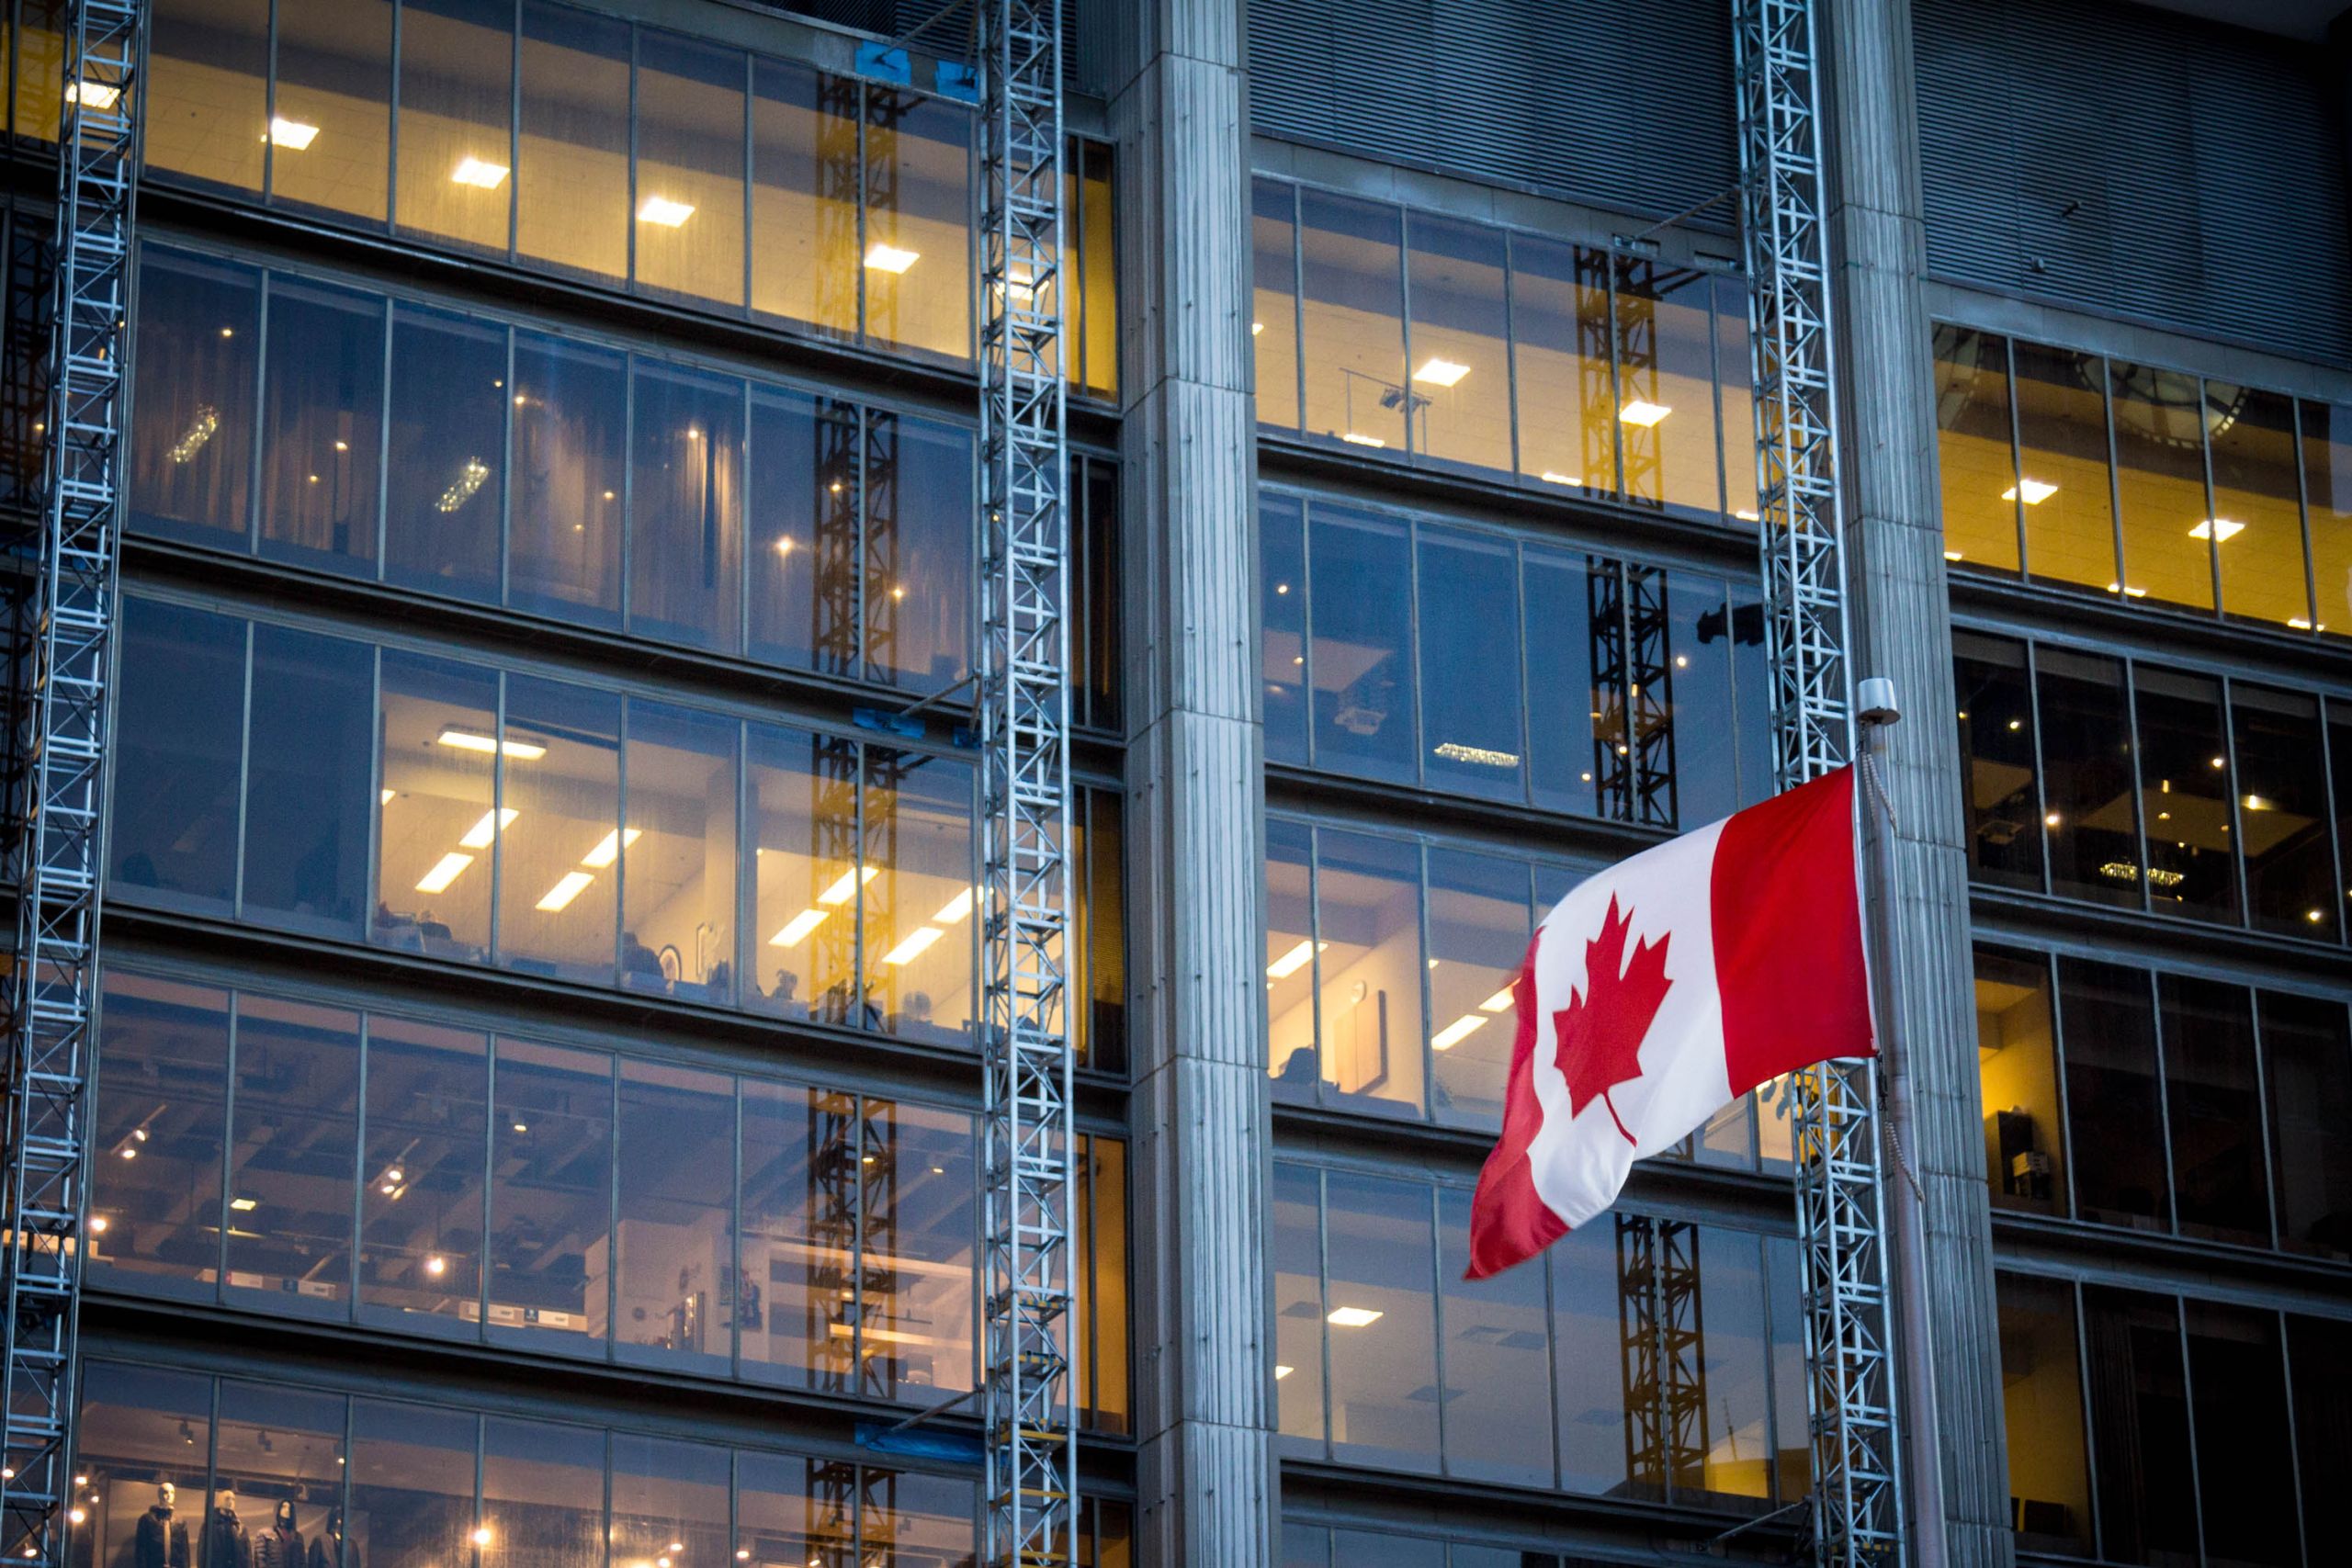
x=66, y=637
x=1857, y=1502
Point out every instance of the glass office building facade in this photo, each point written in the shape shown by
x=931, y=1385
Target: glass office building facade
x=535, y=1110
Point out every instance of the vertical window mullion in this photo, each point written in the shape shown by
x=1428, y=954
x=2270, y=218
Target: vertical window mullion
x=1405, y=322
x=2205, y=462
x=2231, y=779
x=2058, y=1074
x=1298, y=307
x=244, y=769
x=497, y=822
x=228, y=1153
x=1413, y=623
x=2017, y=461
x=628, y=459
x=2303, y=510
x=506, y=475
x=2262, y=1114
x=1428, y=1057
x=613, y=1202
x=2083, y=1397
x=2171, y=1215
x=1526, y=691
x=1437, y=1317
x=384, y=444
x=1616, y=402
x=2337, y=893
x=1314, y=967
x=633, y=32
x=2115, y=529
x=489, y=1158
x=359, y=1174
x=2189, y=1417
x=515, y=142
x=269, y=115
x=2041, y=772
x=393, y=126
x=1323, y=1304
x=2139, y=762
x=260, y=415
x=1510, y=358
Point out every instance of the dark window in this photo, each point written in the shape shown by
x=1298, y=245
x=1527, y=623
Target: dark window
x=421, y=1177
x=447, y=462
x=2246, y=1466
x=2219, y=1187
x=2042, y=1404
x=2307, y=1057
x=2018, y=1072
x=2145, y=1480
x=1563, y=704
x=1363, y=638
x=322, y=413
x=803, y=530
x=1384, y=1548
x=1101, y=923
x=1597, y=1441
x=542, y=1493
x=293, y=1135
x=2087, y=780
x=1282, y=597
x=551, y=1148
x=412, y=1480
x=677, y=1220
x=797, y=1309
x=1497, y=1411
x=154, y=1223
x=1379, y=1305
x=565, y=556
x=1098, y=653
x=306, y=795
x=2185, y=793
x=1700, y=748
x=2319, y=1369
x=2117, y=1133
x=686, y=509
x=919, y=573
x=181, y=723
x=1997, y=749
x=918, y=1183
x=2283, y=811
x=199, y=328
x=1306, y=1546
x=1469, y=664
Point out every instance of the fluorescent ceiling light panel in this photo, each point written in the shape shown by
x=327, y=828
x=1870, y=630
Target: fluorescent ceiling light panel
x=663, y=210
x=1280, y=1371
x=475, y=741
x=1552, y=478
x=477, y=837
x=292, y=134
x=1257, y=327
x=1500, y=1003
x=796, y=931
x=609, y=847
x=561, y=896
x=1353, y=1317
x=97, y=95
x=914, y=947
x=844, y=885
x=444, y=872
x=1643, y=413
x=2035, y=492
x=1439, y=372
x=2217, y=529
x=1460, y=1029
x=244, y=1205
x=955, y=909
x=890, y=258
x=1352, y=439
x=1290, y=962
x=481, y=173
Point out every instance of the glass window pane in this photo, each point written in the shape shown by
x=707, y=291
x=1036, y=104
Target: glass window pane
x=1751, y=691
x=2339, y=763
x=1273, y=311
x=2320, y=1369
x=421, y=1177
x=1666, y=387
x=2283, y=811
x=1100, y=665
x=1997, y=749
x=689, y=168
x=154, y=1222
x=1367, y=898
x=2307, y=1059
x=797, y=1311
x=2118, y=1140
x=1298, y=1225
x=1478, y=927
x=293, y=1130
x=542, y=1493
x=916, y=1521
x=918, y=261
x=1498, y=1426
x=1306, y=1546
x=572, y=183
x=917, y=897
x=1734, y=1390
x=411, y=1484
x=279, y=1449
x=2041, y=1403
x=322, y=413
x=566, y=552
x=669, y=1499
x=686, y=509
x=306, y=795
x=1734, y=371
x=1596, y=1442
x=199, y=321
x=1360, y=656
x=1974, y=460
x=784, y=1512
x=1381, y=1312
x=551, y=1205
x=1469, y=664
x=1100, y=981
x=2017, y=1075
x=1352, y=320
x=2160, y=426
x=1282, y=546
x=677, y=1220
x=1101, y=1269
x=1461, y=379
x=1383, y=1549
x=2184, y=793
x=445, y=477
x=182, y=731
x=1793, y=1457
x=678, y=853
x=334, y=68
x=919, y=571
x=2327, y=494
x=1701, y=750
x=2218, y=1187
x=207, y=105
x=2245, y=1470
x=2140, y=1408
x=436, y=824
x=2062, y=436
x=804, y=197
x=2088, y=781
x=2255, y=489
x=559, y=830
x=803, y=496
x=1095, y=320
x=457, y=119
x=1559, y=307
x=918, y=1187
x=805, y=791
x=145, y=1442
x=1290, y=959
x=1563, y=706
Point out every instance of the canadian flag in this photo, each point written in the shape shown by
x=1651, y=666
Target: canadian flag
x=1661, y=990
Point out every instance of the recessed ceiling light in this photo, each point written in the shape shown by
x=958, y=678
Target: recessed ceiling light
x=890, y=258
x=955, y=909
x=1500, y=1003
x=474, y=740
x=292, y=134
x=609, y=847
x=663, y=210
x=2217, y=529
x=444, y=870
x=1353, y=1317
x=844, y=885
x=1352, y=439
x=479, y=172
x=1455, y=1033
x=914, y=947
x=1257, y=327
x=2036, y=492
x=96, y=95
x=561, y=896
x=1643, y=413
x=477, y=837
x=1441, y=372
x=796, y=931
x=1552, y=478
x=1291, y=962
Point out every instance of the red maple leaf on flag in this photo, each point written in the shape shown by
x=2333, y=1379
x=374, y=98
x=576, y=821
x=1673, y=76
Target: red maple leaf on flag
x=1601, y=1035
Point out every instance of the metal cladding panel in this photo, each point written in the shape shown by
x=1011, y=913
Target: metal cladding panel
x=2120, y=159
x=1615, y=103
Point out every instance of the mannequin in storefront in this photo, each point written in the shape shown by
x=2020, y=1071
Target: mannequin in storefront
x=161, y=1541
x=226, y=1545
x=280, y=1546
x=328, y=1550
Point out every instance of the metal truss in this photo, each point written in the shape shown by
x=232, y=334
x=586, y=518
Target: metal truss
x=1632, y=676
x=61, y=746
x=1029, y=1411
x=1662, y=1352
x=1834, y=1107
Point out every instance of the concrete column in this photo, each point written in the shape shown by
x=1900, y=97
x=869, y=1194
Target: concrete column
x=1900, y=628
x=1205, y=1399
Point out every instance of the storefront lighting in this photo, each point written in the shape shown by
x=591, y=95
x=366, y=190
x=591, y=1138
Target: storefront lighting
x=481, y=173
x=846, y=883
x=796, y=930
x=890, y=258
x=292, y=134
x=477, y=837
x=609, y=847
x=1353, y=1317
x=1436, y=372
x=663, y=210
x=1500, y=1003
x=559, y=897
x=2035, y=492
x=1460, y=1029
x=474, y=740
x=2217, y=529
x=1643, y=413
x=445, y=872
x=914, y=947
x=1294, y=961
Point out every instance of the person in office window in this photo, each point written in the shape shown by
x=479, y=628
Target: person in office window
x=640, y=965
x=915, y=1020
x=160, y=1539
x=787, y=995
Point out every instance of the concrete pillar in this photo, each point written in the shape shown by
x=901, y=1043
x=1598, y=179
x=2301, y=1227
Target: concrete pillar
x=1205, y=1399
x=1900, y=628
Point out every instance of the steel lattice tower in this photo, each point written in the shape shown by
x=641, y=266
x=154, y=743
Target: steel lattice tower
x=1029, y=1489
x=64, y=714
x=1858, y=1513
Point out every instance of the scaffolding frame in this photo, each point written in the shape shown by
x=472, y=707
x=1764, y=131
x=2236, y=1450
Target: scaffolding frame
x=1858, y=1517
x=61, y=745
x=1029, y=1390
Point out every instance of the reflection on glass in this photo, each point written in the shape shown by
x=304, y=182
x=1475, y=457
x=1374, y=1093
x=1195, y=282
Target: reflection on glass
x=1273, y=324
x=435, y=821
x=294, y=1125
x=1384, y=1548
x=2185, y=793
x=1665, y=386
x=669, y=1499
x=445, y=476
x=1098, y=926
x=919, y=1521
x=1297, y=1221
x=1996, y=748
x=154, y=1226
x=1973, y=460
x=917, y=908
x=917, y=1183
x=1734, y=371
x=1478, y=926
x=1378, y=1312
x=2327, y=496
x=2111, y=1097
x=675, y=1238
x=1459, y=382
x=918, y=255
x=2307, y=1065
x=322, y=417
x=1282, y=611
x=804, y=197
x=2213, y=1109
x=2088, y=779
x=571, y=408
x=199, y=327
x=689, y=168
x=2140, y=1406
x=1694, y=684
x=1102, y=1266
x=145, y=1442
x=1733, y=1387
x=559, y=832
x=1469, y=664
x=1563, y=707
x=1361, y=654
x=1568, y=401
x=571, y=166
x=552, y=1146
x=805, y=791
x=800, y=1237
x=1497, y=1395
x=686, y=509
x=2017, y=1073
x=421, y=1177
x=1290, y=959
x=181, y=725
x=2063, y=482
x=306, y=833
x=542, y=1494
x=2257, y=506
x=457, y=120
x=276, y=1450
x=919, y=548
x=2283, y=811
x=1351, y=320
x=802, y=536
x=334, y=67
x=205, y=116
x=1596, y=1439
x=784, y=1512
x=2042, y=1400
x=413, y=1483
x=2160, y=425
x=1094, y=312
x=678, y=853
x=1369, y=968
